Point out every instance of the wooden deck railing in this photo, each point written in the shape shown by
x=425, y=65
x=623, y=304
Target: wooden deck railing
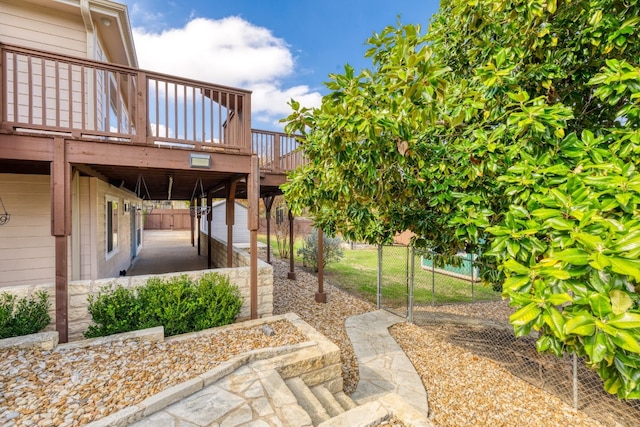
x=278, y=152
x=46, y=92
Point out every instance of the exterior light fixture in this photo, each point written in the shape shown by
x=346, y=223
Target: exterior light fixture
x=200, y=161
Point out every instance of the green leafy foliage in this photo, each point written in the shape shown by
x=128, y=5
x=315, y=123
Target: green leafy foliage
x=511, y=130
x=178, y=303
x=113, y=310
x=331, y=250
x=23, y=316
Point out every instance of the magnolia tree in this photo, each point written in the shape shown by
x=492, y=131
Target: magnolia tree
x=510, y=129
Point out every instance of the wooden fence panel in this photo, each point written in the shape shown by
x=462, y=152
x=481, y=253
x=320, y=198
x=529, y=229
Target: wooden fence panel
x=168, y=219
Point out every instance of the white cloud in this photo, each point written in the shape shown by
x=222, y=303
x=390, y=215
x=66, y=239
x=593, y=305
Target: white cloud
x=232, y=52
x=273, y=101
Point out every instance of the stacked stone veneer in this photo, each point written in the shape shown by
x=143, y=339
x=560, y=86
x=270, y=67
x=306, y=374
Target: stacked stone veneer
x=219, y=253
x=80, y=319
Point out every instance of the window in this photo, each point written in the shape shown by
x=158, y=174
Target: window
x=111, y=225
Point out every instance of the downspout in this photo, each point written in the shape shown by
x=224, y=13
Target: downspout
x=91, y=54
x=85, y=11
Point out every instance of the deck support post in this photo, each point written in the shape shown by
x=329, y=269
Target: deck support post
x=192, y=217
x=292, y=270
x=198, y=217
x=253, y=196
x=61, y=229
x=209, y=218
x=321, y=297
x=268, y=204
x=230, y=218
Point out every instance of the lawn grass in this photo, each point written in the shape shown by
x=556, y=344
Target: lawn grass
x=357, y=274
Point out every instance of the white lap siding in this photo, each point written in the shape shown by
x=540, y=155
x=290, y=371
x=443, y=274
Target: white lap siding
x=27, y=253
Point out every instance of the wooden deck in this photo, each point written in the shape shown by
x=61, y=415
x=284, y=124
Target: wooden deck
x=189, y=140
x=110, y=107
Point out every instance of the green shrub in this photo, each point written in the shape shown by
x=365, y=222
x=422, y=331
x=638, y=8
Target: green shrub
x=331, y=250
x=178, y=303
x=169, y=303
x=24, y=316
x=220, y=301
x=113, y=310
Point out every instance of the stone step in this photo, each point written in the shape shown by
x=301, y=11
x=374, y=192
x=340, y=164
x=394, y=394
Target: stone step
x=307, y=400
x=328, y=401
x=345, y=401
x=284, y=402
x=375, y=412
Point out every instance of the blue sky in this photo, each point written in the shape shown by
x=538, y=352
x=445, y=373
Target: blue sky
x=278, y=49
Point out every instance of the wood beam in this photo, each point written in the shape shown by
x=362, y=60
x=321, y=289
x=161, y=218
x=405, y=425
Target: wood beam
x=253, y=197
x=23, y=147
x=268, y=204
x=89, y=171
x=274, y=180
x=253, y=194
x=230, y=219
x=60, y=229
x=198, y=218
x=292, y=270
x=222, y=188
x=191, y=216
x=321, y=297
x=62, y=309
x=101, y=153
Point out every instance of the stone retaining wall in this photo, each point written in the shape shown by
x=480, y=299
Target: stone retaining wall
x=80, y=319
x=219, y=253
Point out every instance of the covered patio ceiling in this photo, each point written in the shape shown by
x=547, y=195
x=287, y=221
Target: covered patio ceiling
x=157, y=180
x=166, y=184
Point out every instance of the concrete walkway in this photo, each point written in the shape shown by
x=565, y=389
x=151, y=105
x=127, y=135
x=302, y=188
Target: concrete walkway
x=166, y=252
x=383, y=366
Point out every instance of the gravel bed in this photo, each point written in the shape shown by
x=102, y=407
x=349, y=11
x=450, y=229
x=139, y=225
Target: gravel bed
x=464, y=389
x=298, y=296
x=75, y=387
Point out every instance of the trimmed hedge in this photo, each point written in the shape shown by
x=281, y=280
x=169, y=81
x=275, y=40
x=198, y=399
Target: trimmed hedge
x=179, y=304
x=23, y=316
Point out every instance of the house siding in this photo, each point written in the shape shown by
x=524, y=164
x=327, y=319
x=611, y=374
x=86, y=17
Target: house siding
x=42, y=28
x=27, y=251
x=88, y=260
x=110, y=266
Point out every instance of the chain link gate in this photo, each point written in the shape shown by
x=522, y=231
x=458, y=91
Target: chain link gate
x=394, y=277
x=408, y=281
x=452, y=302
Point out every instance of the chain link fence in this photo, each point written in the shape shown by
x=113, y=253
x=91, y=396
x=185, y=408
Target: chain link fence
x=410, y=281
x=452, y=302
